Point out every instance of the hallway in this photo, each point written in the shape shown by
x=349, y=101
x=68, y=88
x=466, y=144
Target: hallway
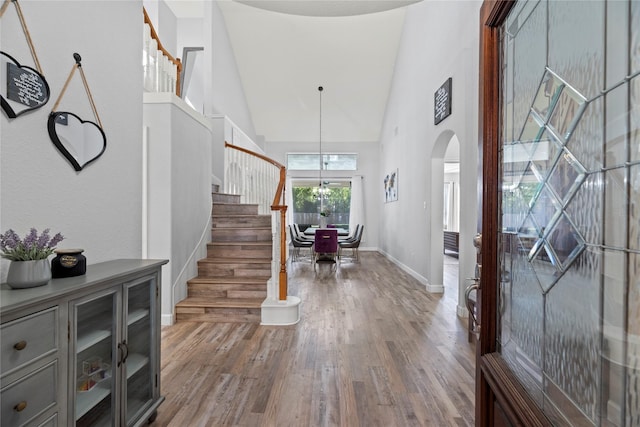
x=450, y=270
x=373, y=348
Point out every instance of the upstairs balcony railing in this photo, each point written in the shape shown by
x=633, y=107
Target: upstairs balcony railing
x=261, y=180
x=161, y=69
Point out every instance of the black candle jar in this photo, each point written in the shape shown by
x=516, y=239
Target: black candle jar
x=68, y=263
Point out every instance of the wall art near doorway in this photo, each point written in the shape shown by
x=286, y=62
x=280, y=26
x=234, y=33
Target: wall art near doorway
x=391, y=186
x=442, y=102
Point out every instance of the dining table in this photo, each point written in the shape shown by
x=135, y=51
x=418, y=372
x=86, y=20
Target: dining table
x=311, y=231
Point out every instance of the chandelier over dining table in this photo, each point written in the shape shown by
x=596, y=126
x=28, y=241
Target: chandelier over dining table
x=321, y=165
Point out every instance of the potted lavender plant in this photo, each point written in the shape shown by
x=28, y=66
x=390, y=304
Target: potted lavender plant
x=29, y=257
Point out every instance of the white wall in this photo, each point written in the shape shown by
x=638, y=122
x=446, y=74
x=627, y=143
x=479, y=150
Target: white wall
x=179, y=192
x=167, y=27
x=224, y=85
x=99, y=208
x=368, y=167
x=440, y=40
x=190, y=35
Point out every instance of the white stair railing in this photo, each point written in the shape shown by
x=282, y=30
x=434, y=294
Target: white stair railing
x=253, y=178
x=161, y=69
x=260, y=180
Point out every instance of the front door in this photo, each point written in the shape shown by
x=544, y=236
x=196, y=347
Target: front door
x=559, y=299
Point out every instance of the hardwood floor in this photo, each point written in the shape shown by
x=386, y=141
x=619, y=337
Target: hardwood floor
x=450, y=271
x=373, y=348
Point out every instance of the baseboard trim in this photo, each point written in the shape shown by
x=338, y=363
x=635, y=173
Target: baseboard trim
x=166, y=319
x=435, y=289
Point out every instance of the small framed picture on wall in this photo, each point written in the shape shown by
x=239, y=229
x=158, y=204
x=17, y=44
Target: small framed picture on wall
x=391, y=186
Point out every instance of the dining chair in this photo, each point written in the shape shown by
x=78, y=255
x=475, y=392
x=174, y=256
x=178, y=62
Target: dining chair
x=351, y=237
x=353, y=244
x=299, y=244
x=325, y=247
x=300, y=234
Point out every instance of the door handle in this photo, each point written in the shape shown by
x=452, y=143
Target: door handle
x=477, y=242
x=472, y=304
x=126, y=354
x=123, y=349
x=121, y=352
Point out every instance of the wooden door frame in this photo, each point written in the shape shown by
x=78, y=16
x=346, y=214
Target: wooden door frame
x=499, y=394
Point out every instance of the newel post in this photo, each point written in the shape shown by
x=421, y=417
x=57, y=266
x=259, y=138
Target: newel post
x=283, y=291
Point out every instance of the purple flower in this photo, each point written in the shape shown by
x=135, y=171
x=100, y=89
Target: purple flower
x=43, y=240
x=32, y=247
x=31, y=239
x=56, y=239
x=9, y=240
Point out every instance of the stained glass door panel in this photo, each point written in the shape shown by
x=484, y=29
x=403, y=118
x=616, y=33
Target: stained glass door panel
x=569, y=322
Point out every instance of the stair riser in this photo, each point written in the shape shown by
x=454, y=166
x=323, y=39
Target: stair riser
x=224, y=315
x=234, y=270
x=235, y=251
x=234, y=209
x=240, y=235
x=212, y=290
x=219, y=293
x=241, y=221
x=225, y=198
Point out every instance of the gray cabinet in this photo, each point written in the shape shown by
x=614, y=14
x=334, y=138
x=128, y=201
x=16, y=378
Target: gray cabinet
x=30, y=359
x=83, y=351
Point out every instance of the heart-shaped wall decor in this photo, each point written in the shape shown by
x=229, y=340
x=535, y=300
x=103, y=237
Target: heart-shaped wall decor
x=80, y=141
x=24, y=88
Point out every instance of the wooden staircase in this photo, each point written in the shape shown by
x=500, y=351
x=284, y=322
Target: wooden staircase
x=232, y=280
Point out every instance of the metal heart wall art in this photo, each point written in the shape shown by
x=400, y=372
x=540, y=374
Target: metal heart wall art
x=24, y=88
x=80, y=141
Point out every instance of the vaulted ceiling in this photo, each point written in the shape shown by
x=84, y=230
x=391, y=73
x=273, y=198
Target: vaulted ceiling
x=286, y=49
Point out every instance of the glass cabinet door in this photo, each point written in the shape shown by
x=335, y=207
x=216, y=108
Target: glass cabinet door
x=139, y=341
x=94, y=361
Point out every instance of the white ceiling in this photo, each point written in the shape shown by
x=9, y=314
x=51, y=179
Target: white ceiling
x=284, y=56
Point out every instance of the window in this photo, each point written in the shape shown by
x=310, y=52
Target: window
x=306, y=202
x=330, y=162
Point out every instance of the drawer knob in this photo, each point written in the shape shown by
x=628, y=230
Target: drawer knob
x=20, y=406
x=20, y=345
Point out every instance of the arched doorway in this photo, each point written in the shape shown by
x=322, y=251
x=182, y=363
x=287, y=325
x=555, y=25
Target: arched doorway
x=451, y=218
x=445, y=218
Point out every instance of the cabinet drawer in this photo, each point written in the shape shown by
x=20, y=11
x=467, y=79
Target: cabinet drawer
x=27, y=339
x=29, y=397
x=51, y=422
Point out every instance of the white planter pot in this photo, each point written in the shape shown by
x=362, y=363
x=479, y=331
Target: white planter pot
x=28, y=274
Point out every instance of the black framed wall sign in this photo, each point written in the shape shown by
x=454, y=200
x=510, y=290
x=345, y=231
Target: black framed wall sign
x=22, y=88
x=442, y=102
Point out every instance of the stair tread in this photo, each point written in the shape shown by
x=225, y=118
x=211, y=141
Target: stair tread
x=223, y=215
x=235, y=260
x=229, y=280
x=235, y=204
x=240, y=228
x=240, y=243
x=220, y=302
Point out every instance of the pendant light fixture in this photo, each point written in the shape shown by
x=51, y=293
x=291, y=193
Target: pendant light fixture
x=321, y=188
